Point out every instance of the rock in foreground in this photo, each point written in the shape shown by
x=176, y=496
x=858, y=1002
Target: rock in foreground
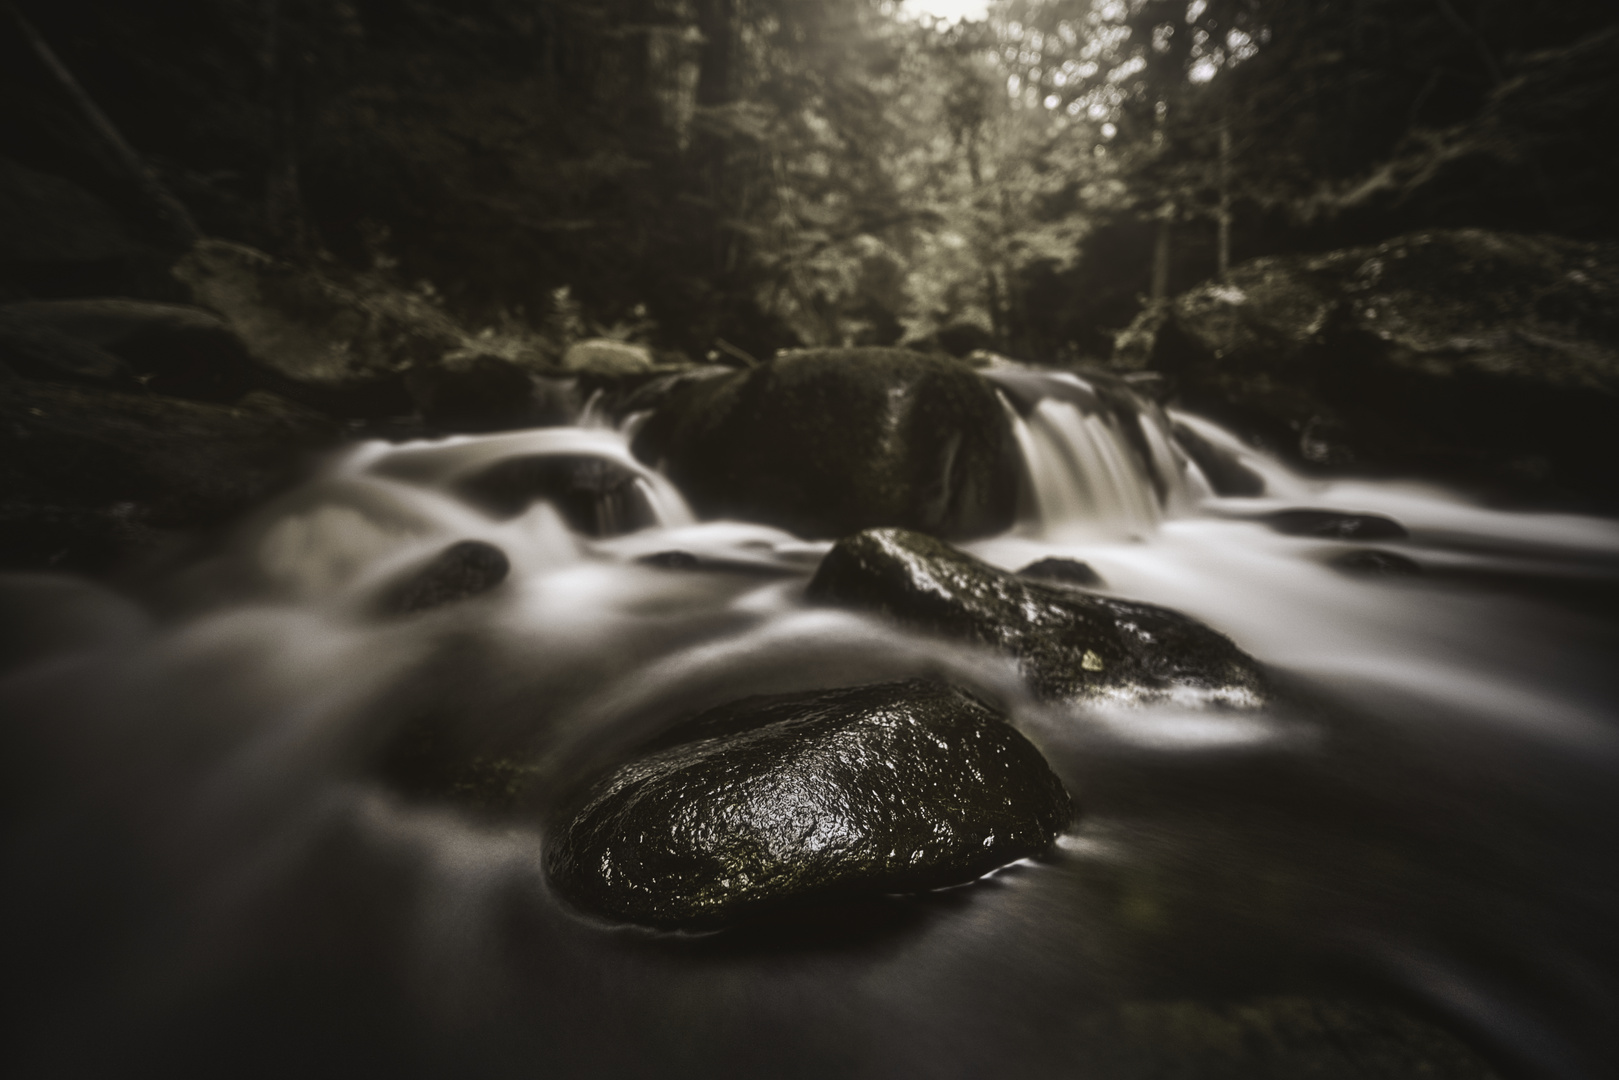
x=1068, y=644
x=794, y=798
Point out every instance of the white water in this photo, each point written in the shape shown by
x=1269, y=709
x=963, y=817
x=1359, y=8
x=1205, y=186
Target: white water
x=200, y=766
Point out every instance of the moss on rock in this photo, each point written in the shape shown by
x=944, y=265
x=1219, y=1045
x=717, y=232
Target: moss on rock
x=825, y=442
x=1068, y=644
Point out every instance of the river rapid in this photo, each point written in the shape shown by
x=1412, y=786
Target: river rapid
x=209, y=873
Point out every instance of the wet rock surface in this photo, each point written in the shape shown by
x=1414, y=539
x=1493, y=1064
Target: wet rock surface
x=1486, y=357
x=1372, y=562
x=459, y=572
x=595, y=496
x=920, y=442
x=1062, y=572
x=791, y=799
x=1335, y=525
x=1068, y=645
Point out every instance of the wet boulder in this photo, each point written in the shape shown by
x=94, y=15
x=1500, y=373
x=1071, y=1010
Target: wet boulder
x=1069, y=645
x=459, y=572
x=824, y=442
x=595, y=496
x=1370, y=562
x=1335, y=525
x=1484, y=357
x=800, y=798
x=1063, y=572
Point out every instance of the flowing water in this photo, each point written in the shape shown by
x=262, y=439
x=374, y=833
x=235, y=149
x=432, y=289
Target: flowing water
x=209, y=873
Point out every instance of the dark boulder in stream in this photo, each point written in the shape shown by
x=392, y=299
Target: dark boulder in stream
x=1486, y=357
x=917, y=441
x=1068, y=644
x=790, y=799
x=459, y=572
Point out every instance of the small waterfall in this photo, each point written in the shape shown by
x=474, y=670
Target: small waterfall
x=540, y=496
x=1098, y=458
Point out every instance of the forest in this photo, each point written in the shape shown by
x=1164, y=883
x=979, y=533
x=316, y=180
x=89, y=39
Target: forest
x=810, y=538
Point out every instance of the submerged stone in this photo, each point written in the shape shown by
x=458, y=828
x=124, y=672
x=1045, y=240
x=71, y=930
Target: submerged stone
x=823, y=442
x=1062, y=572
x=1069, y=645
x=595, y=496
x=790, y=799
x=458, y=572
x=1370, y=561
x=1335, y=525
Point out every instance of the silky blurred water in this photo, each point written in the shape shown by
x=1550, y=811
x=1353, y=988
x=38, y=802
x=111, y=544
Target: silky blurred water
x=207, y=872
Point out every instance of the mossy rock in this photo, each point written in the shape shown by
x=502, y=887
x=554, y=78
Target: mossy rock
x=1484, y=357
x=825, y=442
x=802, y=798
x=1068, y=644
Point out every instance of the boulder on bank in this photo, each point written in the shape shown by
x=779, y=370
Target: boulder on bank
x=171, y=349
x=607, y=357
x=1069, y=645
x=794, y=798
x=824, y=442
x=87, y=472
x=1464, y=354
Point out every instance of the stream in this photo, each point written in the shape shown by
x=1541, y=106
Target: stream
x=211, y=874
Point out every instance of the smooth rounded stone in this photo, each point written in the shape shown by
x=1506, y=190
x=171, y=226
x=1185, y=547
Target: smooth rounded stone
x=605, y=356
x=824, y=442
x=1062, y=572
x=1069, y=645
x=459, y=572
x=792, y=799
x=671, y=560
x=1335, y=525
x=1370, y=561
x=595, y=496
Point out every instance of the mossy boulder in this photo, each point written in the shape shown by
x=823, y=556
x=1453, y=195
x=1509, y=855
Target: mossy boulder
x=1483, y=357
x=825, y=442
x=798, y=798
x=459, y=572
x=1069, y=645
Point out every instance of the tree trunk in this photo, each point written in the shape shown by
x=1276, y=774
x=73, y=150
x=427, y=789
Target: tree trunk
x=1161, y=253
x=168, y=209
x=283, y=196
x=1223, y=250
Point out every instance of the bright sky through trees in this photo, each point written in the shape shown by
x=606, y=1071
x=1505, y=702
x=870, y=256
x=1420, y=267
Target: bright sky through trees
x=949, y=10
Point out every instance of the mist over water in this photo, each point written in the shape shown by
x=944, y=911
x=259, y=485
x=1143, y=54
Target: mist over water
x=213, y=866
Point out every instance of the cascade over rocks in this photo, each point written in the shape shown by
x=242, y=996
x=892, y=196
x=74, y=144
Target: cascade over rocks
x=1069, y=645
x=917, y=441
x=1482, y=356
x=595, y=496
x=793, y=798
